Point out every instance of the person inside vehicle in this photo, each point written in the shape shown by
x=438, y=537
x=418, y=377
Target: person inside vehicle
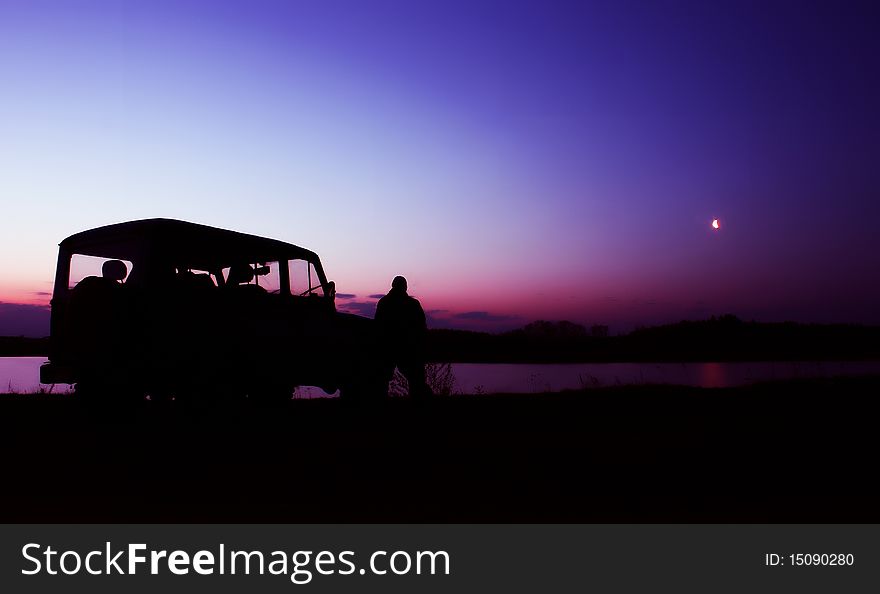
x=239, y=274
x=98, y=305
x=403, y=330
x=115, y=271
x=239, y=281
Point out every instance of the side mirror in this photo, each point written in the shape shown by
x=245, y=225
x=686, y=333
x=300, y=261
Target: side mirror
x=331, y=290
x=261, y=271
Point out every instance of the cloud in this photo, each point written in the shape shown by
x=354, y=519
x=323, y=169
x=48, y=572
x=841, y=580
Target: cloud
x=443, y=323
x=345, y=295
x=362, y=308
x=42, y=293
x=481, y=321
x=18, y=319
x=376, y=296
x=483, y=316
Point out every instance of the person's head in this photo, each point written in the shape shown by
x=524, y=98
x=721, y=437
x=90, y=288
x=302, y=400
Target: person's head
x=398, y=284
x=114, y=270
x=240, y=274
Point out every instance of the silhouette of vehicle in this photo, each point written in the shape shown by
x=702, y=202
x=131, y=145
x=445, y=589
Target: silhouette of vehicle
x=171, y=308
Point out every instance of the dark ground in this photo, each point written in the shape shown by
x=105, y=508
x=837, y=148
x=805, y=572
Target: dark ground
x=804, y=451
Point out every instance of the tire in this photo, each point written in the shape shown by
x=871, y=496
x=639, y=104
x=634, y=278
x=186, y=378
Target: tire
x=104, y=398
x=367, y=385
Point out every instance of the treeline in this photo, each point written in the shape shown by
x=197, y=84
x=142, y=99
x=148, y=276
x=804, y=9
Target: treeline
x=725, y=338
x=22, y=346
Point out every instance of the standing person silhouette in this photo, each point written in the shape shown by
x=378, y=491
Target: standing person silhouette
x=403, y=328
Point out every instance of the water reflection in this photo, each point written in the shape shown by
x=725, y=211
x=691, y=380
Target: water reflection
x=481, y=378
x=712, y=375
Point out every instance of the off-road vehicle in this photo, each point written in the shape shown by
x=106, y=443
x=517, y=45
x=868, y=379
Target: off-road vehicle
x=167, y=308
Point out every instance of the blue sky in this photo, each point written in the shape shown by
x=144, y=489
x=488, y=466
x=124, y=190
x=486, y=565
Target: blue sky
x=514, y=160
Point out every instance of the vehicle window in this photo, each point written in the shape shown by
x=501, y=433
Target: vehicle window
x=304, y=278
x=271, y=280
x=82, y=266
x=269, y=277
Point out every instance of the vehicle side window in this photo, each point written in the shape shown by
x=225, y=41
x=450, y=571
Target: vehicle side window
x=84, y=266
x=303, y=277
x=271, y=280
x=268, y=278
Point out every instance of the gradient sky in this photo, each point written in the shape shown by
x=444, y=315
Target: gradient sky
x=515, y=160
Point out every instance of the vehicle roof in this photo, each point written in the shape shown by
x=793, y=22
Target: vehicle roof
x=181, y=242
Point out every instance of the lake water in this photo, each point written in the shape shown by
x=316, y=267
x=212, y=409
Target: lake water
x=22, y=374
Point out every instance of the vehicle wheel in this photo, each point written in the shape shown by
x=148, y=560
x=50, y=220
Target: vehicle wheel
x=106, y=396
x=366, y=386
x=91, y=391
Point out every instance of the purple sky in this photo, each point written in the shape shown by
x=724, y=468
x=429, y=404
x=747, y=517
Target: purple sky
x=515, y=160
